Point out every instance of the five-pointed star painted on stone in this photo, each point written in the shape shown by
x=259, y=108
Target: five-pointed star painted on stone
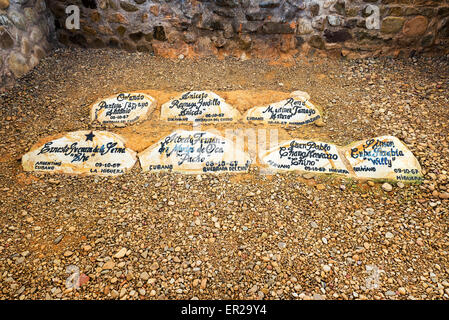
x=90, y=136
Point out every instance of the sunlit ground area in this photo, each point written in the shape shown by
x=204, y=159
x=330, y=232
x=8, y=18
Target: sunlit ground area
x=228, y=236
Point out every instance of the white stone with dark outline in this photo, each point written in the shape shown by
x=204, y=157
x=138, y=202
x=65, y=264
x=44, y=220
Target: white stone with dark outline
x=384, y=157
x=123, y=108
x=82, y=152
x=305, y=156
x=194, y=152
x=296, y=110
x=200, y=107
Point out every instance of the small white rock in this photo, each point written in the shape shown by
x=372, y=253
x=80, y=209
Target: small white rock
x=121, y=253
x=387, y=187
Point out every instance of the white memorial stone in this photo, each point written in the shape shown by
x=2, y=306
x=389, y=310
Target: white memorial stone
x=82, y=152
x=300, y=95
x=296, y=110
x=383, y=157
x=194, y=152
x=307, y=156
x=198, y=106
x=123, y=108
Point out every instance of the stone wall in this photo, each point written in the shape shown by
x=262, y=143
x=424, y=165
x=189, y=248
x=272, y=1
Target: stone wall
x=26, y=30
x=176, y=28
x=259, y=28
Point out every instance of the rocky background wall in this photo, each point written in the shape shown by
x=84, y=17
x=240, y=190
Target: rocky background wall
x=258, y=28
x=26, y=31
x=242, y=28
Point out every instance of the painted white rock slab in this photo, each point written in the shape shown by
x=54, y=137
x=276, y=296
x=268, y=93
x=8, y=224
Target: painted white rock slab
x=198, y=106
x=305, y=155
x=82, y=152
x=300, y=95
x=383, y=157
x=123, y=108
x=293, y=111
x=194, y=152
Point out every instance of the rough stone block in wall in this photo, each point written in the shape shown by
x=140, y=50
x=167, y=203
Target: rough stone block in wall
x=26, y=31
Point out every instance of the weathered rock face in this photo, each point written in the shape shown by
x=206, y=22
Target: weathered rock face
x=26, y=34
x=261, y=28
x=4, y=4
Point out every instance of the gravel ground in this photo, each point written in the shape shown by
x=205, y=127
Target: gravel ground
x=283, y=236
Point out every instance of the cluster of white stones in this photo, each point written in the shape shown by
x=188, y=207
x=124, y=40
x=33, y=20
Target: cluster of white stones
x=379, y=158
x=194, y=152
x=105, y=153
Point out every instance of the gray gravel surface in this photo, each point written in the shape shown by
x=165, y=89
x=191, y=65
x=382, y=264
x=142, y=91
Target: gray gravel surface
x=283, y=236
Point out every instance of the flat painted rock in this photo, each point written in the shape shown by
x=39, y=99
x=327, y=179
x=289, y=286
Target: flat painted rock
x=300, y=95
x=383, y=157
x=306, y=156
x=122, y=109
x=82, y=152
x=296, y=110
x=194, y=152
x=198, y=106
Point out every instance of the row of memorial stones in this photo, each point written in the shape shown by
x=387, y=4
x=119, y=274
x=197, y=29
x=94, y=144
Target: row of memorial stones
x=256, y=26
x=25, y=28
x=203, y=107
x=105, y=153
